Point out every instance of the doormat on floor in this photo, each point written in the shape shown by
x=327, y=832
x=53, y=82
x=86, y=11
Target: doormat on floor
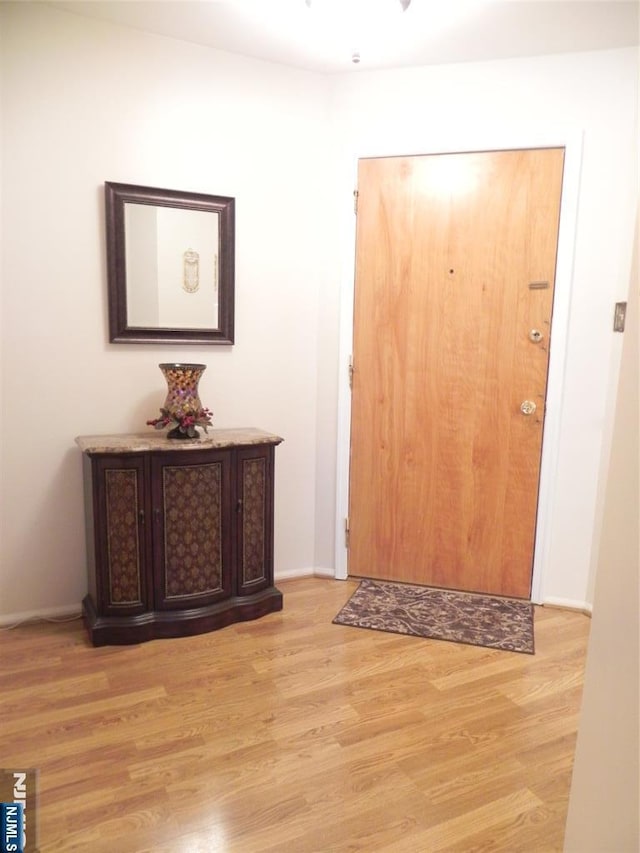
x=441, y=614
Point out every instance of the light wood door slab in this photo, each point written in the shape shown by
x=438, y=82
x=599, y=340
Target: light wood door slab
x=455, y=267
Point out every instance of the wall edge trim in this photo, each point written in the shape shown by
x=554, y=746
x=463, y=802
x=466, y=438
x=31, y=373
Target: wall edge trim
x=568, y=604
x=304, y=572
x=45, y=614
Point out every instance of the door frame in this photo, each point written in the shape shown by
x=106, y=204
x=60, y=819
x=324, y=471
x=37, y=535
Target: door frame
x=571, y=140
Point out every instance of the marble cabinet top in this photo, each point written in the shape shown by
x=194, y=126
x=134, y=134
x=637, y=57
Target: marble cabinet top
x=154, y=440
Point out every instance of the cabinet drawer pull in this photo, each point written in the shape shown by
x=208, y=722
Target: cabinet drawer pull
x=239, y=505
x=141, y=516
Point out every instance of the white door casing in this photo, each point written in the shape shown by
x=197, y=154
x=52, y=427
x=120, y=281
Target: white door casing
x=571, y=141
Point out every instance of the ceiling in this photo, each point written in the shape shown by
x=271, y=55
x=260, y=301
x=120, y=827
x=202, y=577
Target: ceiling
x=324, y=37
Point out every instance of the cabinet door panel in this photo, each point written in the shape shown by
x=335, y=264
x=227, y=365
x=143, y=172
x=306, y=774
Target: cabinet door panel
x=120, y=535
x=191, y=507
x=255, y=507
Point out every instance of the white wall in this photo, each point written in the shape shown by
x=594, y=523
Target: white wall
x=589, y=97
x=603, y=810
x=86, y=102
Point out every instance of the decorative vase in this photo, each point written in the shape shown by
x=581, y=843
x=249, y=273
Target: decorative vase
x=182, y=406
x=182, y=388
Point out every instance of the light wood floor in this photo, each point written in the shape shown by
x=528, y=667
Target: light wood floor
x=293, y=734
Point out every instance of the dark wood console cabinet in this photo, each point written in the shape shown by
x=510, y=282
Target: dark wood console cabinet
x=179, y=533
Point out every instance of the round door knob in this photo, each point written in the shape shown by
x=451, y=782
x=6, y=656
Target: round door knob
x=528, y=407
x=535, y=335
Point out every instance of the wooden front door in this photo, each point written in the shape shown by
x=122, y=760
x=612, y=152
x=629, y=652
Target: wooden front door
x=455, y=267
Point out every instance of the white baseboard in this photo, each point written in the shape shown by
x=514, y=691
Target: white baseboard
x=70, y=611
x=67, y=611
x=290, y=574
x=324, y=573
x=74, y=610
x=569, y=604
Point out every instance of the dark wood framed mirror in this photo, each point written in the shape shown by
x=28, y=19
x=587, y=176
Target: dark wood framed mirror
x=170, y=265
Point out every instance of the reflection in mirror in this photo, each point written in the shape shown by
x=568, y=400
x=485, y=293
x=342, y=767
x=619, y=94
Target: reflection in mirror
x=172, y=267
x=170, y=263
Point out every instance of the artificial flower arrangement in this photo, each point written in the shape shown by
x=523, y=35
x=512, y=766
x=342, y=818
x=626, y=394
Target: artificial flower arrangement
x=183, y=425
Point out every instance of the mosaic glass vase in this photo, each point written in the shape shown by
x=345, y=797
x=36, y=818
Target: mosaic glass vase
x=183, y=403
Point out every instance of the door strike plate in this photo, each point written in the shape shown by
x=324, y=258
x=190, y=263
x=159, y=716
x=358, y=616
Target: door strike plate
x=619, y=316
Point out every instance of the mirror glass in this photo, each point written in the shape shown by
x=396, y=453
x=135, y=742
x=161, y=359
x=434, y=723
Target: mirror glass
x=170, y=263
x=172, y=267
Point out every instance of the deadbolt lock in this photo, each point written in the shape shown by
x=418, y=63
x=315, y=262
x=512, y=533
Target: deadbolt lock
x=535, y=335
x=528, y=407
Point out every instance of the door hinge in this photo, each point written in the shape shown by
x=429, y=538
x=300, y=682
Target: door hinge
x=355, y=201
x=351, y=369
x=346, y=532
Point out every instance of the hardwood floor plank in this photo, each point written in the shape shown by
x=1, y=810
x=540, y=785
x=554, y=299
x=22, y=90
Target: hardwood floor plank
x=345, y=828
x=293, y=734
x=455, y=833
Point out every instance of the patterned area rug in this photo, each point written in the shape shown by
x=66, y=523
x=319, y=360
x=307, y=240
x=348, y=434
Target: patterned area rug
x=440, y=614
